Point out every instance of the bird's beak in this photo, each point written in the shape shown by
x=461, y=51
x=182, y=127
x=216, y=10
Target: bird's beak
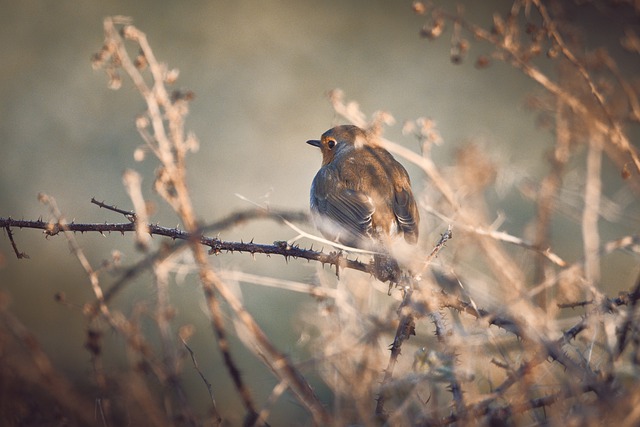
x=314, y=142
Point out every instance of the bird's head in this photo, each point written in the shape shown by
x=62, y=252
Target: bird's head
x=337, y=140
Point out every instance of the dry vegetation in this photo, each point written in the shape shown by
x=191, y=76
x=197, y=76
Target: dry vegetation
x=546, y=346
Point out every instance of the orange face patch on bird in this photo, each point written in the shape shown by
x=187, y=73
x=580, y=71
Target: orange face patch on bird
x=361, y=196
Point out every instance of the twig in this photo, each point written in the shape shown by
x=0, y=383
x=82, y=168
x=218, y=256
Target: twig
x=406, y=325
x=277, y=391
x=572, y=269
x=217, y=419
x=19, y=255
x=503, y=237
x=629, y=323
x=488, y=407
x=170, y=360
x=127, y=214
x=551, y=28
x=406, y=328
x=444, y=238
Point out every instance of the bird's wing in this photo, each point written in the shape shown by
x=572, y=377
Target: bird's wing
x=406, y=211
x=351, y=209
x=349, y=212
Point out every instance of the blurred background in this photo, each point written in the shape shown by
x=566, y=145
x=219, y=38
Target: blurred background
x=260, y=72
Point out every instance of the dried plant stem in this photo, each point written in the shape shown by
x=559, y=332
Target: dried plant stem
x=612, y=129
x=171, y=148
x=591, y=211
x=502, y=236
x=547, y=193
x=171, y=361
x=551, y=28
x=61, y=224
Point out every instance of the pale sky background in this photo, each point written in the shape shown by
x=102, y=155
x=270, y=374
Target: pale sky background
x=260, y=72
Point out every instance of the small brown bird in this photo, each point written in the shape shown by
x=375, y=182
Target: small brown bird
x=361, y=196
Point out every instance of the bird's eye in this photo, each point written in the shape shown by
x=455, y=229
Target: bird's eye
x=331, y=143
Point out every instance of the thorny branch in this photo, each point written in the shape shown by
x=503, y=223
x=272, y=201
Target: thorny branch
x=216, y=245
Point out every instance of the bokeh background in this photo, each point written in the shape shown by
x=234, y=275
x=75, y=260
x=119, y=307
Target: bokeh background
x=260, y=72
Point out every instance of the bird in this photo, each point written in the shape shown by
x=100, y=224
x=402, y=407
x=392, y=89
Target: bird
x=361, y=197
